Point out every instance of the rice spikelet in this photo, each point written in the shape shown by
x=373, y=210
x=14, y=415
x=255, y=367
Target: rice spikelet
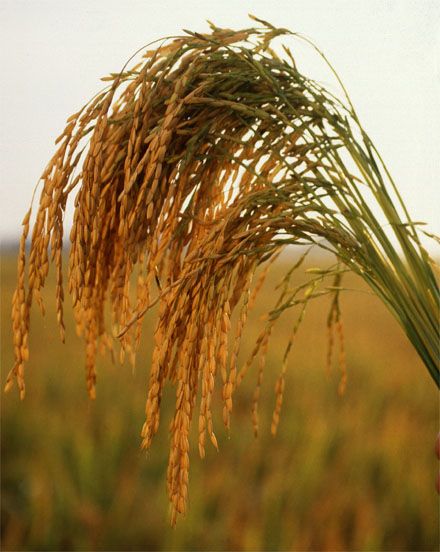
x=192, y=169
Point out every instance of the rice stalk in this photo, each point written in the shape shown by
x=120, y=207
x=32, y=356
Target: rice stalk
x=193, y=168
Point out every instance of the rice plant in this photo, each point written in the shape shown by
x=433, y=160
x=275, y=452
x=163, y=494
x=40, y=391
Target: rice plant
x=191, y=169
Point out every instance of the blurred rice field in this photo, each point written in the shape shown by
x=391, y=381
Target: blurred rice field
x=352, y=474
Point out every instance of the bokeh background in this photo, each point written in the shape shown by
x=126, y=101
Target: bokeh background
x=350, y=473
x=353, y=473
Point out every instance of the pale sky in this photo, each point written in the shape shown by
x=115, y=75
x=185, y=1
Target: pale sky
x=53, y=53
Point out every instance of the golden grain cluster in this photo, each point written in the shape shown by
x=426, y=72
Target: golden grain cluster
x=190, y=170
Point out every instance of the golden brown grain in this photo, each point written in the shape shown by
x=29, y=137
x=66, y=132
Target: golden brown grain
x=192, y=169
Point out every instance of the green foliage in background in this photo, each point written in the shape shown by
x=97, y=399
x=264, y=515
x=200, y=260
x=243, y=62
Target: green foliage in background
x=350, y=473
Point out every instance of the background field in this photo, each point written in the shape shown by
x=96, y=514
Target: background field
x=351, y=473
